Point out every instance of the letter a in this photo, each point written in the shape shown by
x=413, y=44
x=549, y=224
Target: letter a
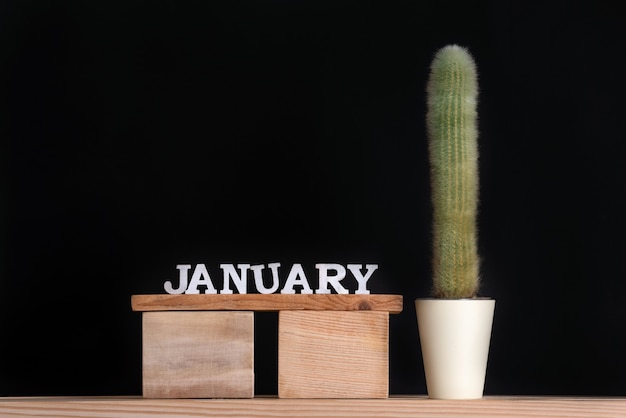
x=296, y=277
x=200, y=277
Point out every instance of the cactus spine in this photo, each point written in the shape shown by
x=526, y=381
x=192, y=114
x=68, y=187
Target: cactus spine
x=452, y=136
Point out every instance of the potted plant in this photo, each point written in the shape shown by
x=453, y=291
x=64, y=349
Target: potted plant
x=454, y=325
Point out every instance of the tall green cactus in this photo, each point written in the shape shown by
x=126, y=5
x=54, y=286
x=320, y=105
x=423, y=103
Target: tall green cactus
x=453, y=148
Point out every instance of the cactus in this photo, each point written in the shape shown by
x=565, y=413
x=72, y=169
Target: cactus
x=452, y=141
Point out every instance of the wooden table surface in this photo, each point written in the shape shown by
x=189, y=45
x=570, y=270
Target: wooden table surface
x=395, y=406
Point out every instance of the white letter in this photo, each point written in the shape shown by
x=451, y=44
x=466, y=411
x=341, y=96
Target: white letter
x=325, y=279
x=258, y=278
x=241, y=282
x=183, y=275
x=200, y=277
x=292, y=280
x=356, y=271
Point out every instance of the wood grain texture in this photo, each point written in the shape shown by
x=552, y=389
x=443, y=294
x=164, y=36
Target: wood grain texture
x=333, y=354
x=394, y=407
x=198, y=354
x=272, y=302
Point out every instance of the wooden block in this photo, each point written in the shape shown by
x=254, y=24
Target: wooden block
x=333, y=354
x=271, y=302
x=198, y=354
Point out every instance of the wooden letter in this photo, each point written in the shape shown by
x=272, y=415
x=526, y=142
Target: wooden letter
x=241, y=282
x=355, y=269
x=296, y=277
x=325, y=279
x=183, y=273
x=200, y=278
x=258, y=278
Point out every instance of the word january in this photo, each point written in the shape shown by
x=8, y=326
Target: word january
x=329, y=275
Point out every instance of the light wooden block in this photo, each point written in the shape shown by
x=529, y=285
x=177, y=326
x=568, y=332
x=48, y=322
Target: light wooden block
x=333, y=354
x=198, y=354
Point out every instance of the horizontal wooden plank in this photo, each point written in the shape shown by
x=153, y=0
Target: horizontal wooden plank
x=272, y=302
x=395, y=406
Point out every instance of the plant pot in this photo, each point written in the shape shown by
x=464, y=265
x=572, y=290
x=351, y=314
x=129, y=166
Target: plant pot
x=455, y=335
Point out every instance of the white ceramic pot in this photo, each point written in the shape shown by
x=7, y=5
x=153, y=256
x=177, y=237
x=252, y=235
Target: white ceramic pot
x=455, y=336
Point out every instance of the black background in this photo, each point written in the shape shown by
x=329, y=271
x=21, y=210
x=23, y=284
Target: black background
x=137, y=135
